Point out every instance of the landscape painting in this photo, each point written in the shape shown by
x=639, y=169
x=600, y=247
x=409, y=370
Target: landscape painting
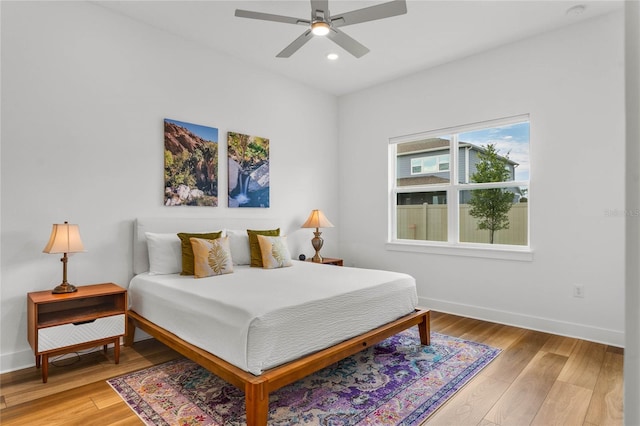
x=190, y=164
x=248, y=170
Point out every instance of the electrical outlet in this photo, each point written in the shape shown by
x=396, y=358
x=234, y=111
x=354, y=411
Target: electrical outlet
x=578, y=290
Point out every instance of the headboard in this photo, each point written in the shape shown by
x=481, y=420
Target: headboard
x=299, y=239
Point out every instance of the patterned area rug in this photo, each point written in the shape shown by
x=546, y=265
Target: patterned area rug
x=396, y=382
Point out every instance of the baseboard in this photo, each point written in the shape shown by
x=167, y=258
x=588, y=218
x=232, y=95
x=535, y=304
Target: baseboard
x=562, y=328
x=17, y=361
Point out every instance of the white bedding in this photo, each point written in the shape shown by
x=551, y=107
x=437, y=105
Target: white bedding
x=257, y=319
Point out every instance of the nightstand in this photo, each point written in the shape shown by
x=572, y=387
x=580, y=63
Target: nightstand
x=329, y=261
x=60, y=323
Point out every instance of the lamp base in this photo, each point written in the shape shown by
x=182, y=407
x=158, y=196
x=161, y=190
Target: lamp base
x=64, y=288
x=317, y=243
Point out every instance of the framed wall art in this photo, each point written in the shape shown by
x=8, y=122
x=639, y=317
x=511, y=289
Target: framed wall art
x=248, y=159
x=190, y=164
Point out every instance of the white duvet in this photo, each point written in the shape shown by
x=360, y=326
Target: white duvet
x=257, y=319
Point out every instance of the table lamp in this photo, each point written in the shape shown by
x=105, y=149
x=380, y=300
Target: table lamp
x=65, y=239
x=317, y=220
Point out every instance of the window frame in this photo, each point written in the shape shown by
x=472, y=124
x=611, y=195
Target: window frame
x=453, y=189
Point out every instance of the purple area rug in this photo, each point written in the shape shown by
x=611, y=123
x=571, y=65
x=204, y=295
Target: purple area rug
x=396, y=382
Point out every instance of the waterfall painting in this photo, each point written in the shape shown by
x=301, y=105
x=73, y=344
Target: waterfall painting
x=248, y=170
x=190, y=164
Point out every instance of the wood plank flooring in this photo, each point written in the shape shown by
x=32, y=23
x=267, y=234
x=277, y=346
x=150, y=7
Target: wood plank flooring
x=538, y=379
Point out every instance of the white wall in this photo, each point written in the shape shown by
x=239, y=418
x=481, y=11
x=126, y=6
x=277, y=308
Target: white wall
x=571, y=82
x=84, y=94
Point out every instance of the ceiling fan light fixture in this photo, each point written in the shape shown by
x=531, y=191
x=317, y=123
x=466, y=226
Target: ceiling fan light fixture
x=320, y=28
x=322, y=23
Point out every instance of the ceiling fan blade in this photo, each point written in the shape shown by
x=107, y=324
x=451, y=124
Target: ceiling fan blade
x=372, y=13
x=347, y=43
x=322, y=5
x=270, y=17
x=295, y=45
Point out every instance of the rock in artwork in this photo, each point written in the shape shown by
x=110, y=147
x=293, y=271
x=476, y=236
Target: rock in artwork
x=190, y=164
x=248, y=158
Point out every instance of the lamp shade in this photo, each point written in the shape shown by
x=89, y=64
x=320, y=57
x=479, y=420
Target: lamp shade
x=317, y=219
x=65, y=238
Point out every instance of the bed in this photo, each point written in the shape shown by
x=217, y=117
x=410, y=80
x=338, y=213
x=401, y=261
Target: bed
x=262, y=329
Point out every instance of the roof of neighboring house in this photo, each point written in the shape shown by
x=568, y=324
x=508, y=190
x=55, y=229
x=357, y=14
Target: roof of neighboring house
x=437, y=144
x=421, y=180
x=433, y=144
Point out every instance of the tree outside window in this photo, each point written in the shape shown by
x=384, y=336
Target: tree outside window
x=491, y=206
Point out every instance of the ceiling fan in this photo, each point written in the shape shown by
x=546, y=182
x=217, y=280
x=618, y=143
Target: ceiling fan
x=323, y=24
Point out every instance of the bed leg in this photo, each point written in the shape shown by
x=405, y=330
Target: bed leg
x=257, y=402
x=130, y=331
x=425, y=329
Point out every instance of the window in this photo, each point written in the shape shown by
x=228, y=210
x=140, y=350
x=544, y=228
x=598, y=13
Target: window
x=465, y=187
x=432, y=164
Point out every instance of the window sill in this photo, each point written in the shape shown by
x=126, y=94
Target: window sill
x=503, y=252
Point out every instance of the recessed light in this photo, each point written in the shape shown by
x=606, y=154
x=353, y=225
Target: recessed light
x=576, y=10
x=332, y=56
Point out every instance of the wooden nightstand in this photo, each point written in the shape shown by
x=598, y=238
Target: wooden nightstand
x=60, y=323
x=329, y=261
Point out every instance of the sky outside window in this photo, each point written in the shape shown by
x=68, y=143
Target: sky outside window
x=511, y=140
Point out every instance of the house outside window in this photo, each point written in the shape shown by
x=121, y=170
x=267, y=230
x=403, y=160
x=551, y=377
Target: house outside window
x=463, y=186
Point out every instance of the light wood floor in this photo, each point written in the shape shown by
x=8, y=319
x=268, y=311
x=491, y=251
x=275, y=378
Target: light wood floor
x=538, y=379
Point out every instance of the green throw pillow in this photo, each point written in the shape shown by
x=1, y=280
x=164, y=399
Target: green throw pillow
x=187, y=250
x=254, y=246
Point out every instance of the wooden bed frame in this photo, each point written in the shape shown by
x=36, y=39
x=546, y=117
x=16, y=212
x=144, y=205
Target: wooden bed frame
x=258, y=388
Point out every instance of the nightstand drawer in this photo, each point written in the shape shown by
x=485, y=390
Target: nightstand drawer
x=60, y=336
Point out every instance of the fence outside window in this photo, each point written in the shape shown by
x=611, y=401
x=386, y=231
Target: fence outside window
x=428, y=222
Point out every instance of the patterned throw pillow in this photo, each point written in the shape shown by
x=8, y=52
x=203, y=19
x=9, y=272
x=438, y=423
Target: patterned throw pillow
x=275, y=253
x=211, y=257
x=254, y=247
x=187, y=251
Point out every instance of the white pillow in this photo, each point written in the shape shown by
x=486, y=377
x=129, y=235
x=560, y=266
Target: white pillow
x=239, y=246
x=165, y=253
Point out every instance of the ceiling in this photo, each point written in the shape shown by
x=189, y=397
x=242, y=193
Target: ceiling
x=431, y=33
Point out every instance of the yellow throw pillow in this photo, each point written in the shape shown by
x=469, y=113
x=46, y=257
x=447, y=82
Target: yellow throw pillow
x=274, y=250
x=254, y=247
x=187, y=251
x=211, y=257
